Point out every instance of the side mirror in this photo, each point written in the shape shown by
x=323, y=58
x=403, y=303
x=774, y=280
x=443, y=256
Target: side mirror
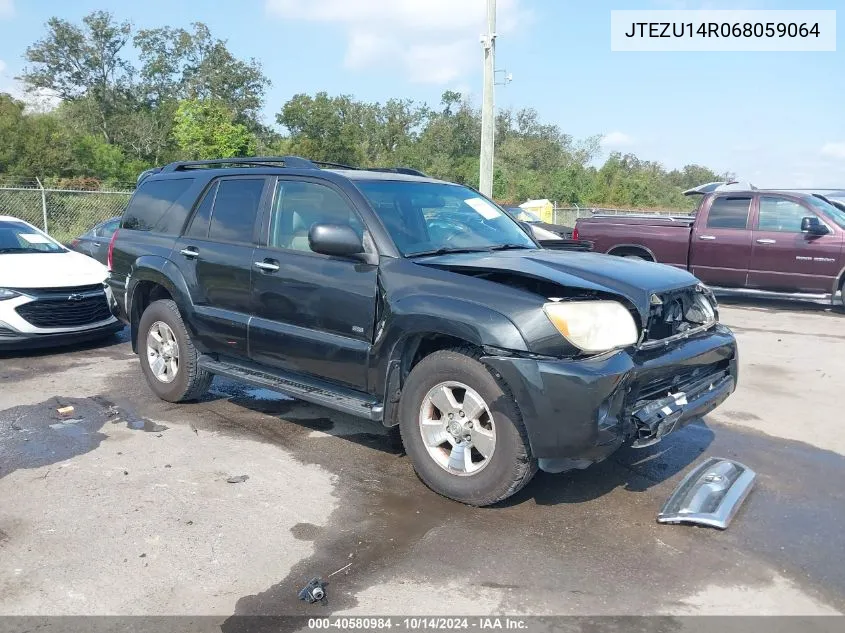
x=339, y=240
x=813, y=226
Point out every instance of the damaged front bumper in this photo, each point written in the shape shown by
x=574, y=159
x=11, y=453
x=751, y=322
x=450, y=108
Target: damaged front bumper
x=579, y=411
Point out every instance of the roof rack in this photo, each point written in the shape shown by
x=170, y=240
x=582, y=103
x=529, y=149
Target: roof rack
x=326, y=163
x=398, y=170
x=291, y=162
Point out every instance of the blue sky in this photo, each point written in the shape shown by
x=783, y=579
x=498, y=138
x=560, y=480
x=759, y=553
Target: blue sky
x=775, y=119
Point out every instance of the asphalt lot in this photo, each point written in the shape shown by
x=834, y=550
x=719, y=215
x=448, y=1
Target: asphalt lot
x=128, y=510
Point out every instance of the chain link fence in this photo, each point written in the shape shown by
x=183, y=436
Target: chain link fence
x=568, y=215
x=60, y=212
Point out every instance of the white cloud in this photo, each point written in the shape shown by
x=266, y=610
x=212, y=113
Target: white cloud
x=616, y=140
x=7, y=8
x=430, y=41
x=834, y=150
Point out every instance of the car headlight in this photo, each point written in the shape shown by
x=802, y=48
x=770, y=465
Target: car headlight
x=593, y=326
x=708, y=293
x=5, y=293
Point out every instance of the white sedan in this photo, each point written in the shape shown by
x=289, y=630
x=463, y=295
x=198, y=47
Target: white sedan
x=48, y=294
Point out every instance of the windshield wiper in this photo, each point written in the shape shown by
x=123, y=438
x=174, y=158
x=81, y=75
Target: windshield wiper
x=510, y=247
x=445, y=250
x=24, y=250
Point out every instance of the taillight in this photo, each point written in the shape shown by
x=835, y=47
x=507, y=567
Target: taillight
x=111, y=250
x=575, y=233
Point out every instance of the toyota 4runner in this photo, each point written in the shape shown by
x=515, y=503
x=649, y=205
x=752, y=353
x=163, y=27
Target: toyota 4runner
x=413, y=302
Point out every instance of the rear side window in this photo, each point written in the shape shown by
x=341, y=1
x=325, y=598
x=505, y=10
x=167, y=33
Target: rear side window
x=729, y=212
x=107, y=229
x=235, y=209
x=199, y=224
x=155, y=202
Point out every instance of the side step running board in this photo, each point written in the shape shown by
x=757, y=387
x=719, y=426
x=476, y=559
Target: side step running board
x=710, y=494
x=810, y=297
x=300, y=387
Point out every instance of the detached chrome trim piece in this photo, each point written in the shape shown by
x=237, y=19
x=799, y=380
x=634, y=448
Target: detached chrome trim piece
x=710, y=494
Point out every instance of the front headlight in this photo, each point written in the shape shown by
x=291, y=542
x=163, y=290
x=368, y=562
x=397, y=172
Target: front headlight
x=708, y=293
x=593, y=326
x=5, y=293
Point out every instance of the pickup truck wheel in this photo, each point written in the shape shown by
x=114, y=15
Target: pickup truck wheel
x=168, y=357
x=463, y=430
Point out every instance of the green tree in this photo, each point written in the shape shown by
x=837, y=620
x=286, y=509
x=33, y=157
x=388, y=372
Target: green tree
x=325, y=128
x=83, y=62
x=207, y=129
x=11, y=124
x=177, y=64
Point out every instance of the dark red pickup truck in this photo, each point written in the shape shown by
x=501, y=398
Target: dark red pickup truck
x=757, y=241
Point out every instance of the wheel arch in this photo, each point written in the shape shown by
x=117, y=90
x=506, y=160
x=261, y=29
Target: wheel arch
x=153, y=278
x=410, y=337
x=622, y=250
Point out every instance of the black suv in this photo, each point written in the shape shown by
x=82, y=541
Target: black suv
x=413, y=302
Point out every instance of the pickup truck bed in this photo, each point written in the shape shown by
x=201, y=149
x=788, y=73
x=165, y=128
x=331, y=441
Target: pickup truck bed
x=640, y=236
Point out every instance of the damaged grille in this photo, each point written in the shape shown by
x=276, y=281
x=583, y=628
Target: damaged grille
x=678, y=312
x=679, y=380
x=656, y=405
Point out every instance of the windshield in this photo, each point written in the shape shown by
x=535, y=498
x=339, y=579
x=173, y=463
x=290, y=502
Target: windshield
x=430, y=217
x=17, y=237
x=834, y=213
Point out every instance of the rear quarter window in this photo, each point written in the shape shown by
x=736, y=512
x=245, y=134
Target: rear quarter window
x=729, y=212
x=159, y=205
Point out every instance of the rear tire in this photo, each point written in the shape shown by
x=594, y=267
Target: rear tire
x=495, y=427
x=168, y=357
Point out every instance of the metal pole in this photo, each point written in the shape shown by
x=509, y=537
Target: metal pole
x=488, y=124
x=43, y=203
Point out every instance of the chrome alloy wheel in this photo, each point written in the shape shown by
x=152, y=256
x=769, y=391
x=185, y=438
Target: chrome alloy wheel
x=162, y=352
x=457, y=428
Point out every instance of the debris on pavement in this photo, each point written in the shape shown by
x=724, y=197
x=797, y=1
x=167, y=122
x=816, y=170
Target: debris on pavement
x=143, y=424
x=710, y=494
x=65, y=423
x=314, y=591
x=65, y=410
x=340, y=570
x=238, y=479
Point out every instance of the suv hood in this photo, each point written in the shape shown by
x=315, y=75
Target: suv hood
x=49, y=270
x=633, y=279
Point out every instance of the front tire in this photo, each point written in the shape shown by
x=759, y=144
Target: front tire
x=168, y=357
x=463, y=431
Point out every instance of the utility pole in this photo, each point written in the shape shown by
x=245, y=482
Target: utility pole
x=488, y=123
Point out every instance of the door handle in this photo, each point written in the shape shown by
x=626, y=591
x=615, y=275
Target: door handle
x=97, y=244
x=707, y=237
x=267, y=266
x=190, y=252
x=764, y=240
